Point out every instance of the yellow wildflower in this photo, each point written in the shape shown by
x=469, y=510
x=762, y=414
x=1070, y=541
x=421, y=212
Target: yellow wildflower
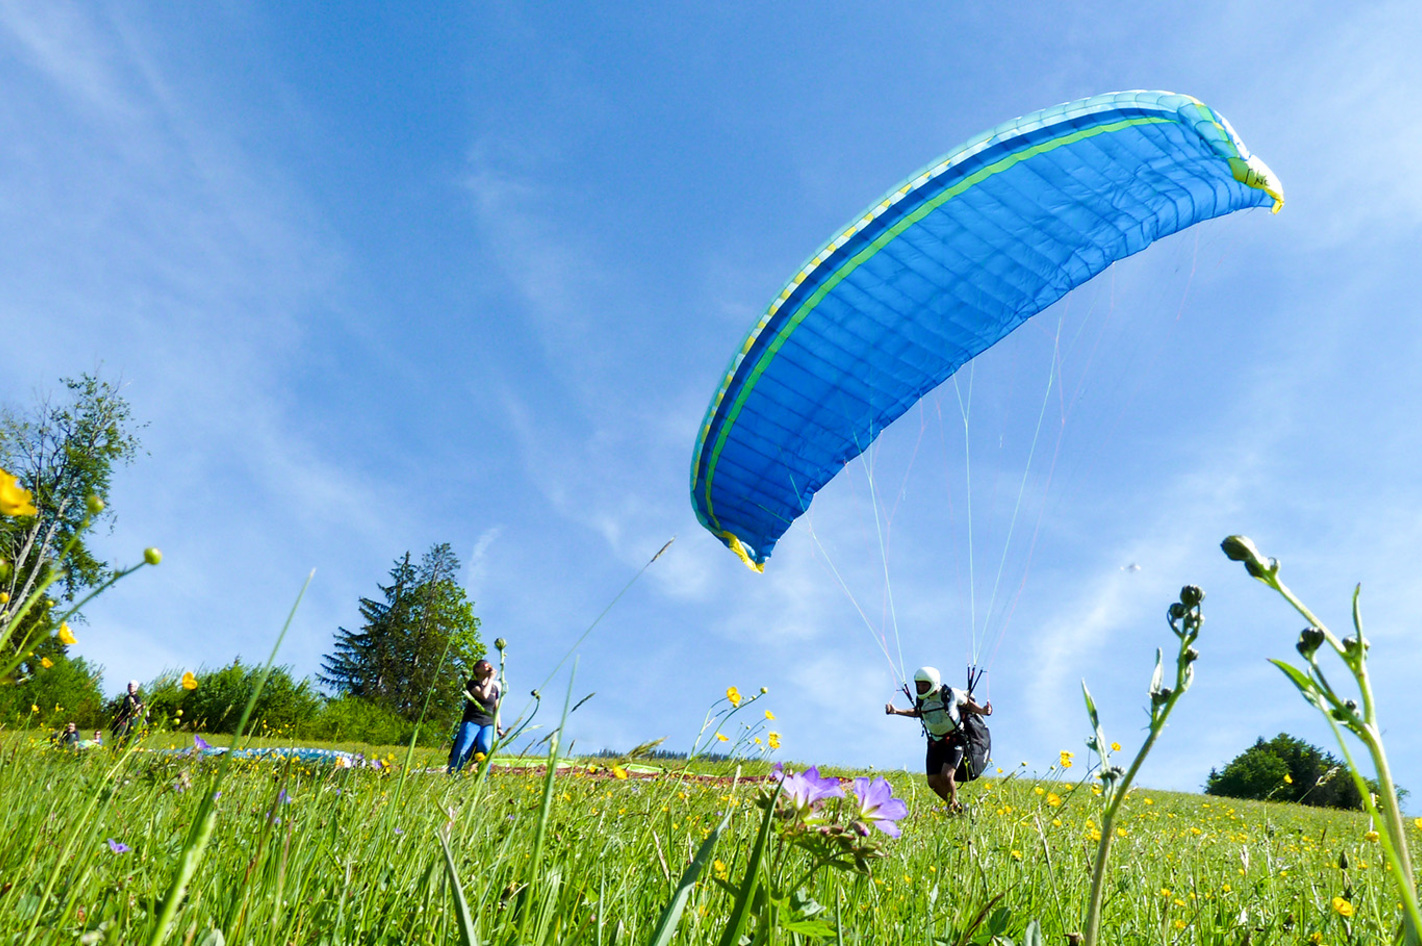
x=66, y=636
x=733, y=695
x=1288, y=779
x=1148, y=801
x=1039, y=790
x=1342, y=907
x=14, y=501
x=722, y=737
x=1053, y=799
x=1115, y=747
x=773, y=740
x=1179, y=924
x=719, y=867
x=1315, y=938
x=46, y=663
x=34, y=708
x=1121, y=832
x=1066, y=759
x=189, y=681
x=1417, y=823
x=1056, y=822
x=4, y=597
x=1371, y=836
x=1016, y=855
x=769, y=714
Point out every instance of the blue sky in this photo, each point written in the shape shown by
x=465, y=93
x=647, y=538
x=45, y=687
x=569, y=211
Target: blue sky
x=378, y=280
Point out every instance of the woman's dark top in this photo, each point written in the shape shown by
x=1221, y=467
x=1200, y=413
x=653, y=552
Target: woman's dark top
x=478, y=711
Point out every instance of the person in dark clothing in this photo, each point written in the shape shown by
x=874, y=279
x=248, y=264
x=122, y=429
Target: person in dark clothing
x=130, y=716
x=941, y=708
x=481, y=713
x=68, y=737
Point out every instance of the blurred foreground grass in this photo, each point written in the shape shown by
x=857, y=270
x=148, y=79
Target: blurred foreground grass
x=318, y=854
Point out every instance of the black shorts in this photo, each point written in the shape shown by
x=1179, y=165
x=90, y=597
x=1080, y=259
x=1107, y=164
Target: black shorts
x=944, y=752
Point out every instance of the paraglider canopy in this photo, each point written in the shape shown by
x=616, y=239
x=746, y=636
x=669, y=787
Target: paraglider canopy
x=937, y=271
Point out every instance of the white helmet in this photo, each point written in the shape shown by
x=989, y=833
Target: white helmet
x=930, y=676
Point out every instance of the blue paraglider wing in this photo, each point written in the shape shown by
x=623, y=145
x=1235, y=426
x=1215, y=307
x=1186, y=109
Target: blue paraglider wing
x=939, y=270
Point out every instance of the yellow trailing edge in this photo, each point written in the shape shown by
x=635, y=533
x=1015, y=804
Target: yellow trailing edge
x=734, y=544
x=1251, y=172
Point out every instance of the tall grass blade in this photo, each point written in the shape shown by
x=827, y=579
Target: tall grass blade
x=467, y=936
x=545, y=810
x=671, y=916
x=741, y=910
x=206, y=818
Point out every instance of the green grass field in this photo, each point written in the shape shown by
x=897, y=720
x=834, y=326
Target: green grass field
x=305, y=854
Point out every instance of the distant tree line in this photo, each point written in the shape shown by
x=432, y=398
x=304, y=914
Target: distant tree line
x=1286, y=768
x=421, y=638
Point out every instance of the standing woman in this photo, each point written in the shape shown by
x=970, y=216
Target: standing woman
x=481, y=709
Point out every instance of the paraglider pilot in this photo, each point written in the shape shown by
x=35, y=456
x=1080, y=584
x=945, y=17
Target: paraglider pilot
x=941, y=709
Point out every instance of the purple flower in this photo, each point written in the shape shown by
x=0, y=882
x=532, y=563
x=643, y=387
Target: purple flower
x=804, y=792
x=399, y=830
x=281, y=796
x=200, y=743
x=878, y=806
x=118, y=847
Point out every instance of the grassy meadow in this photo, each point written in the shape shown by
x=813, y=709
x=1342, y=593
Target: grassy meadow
x=317, y=854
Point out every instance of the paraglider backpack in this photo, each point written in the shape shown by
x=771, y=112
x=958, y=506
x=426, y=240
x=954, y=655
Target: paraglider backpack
x=973, y=733
x=977, y=747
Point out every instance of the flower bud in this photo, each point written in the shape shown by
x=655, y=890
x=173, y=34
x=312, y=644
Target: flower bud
x=1310, y=639
x=152, y=556
x=1350, y=645
x=1191, y=655
x=1238, y=548
x=500, y=643
x=1191, y=596
x=94, y=504
x=1352, y=705
x=1177, y=611
x=1162, y=696
x=765, y=689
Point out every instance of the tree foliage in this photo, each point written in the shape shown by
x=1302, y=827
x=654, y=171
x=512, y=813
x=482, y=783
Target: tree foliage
x=1287, y=769
x=285, y=705
x=66, y=691
x=63, y=452
x=420, y=638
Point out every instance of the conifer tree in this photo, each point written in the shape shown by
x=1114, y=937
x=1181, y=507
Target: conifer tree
x=421, y=637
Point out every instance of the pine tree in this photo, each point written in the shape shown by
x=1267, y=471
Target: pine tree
x=423, y=638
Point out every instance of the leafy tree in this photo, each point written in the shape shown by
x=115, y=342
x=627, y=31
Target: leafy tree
x=286, y=705
x=64, y=453
x=66, y=691
x=352, y=719
x=1287, y=769
x=422, y=638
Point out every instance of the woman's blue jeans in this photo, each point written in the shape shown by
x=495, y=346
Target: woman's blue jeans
x=470, y=738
